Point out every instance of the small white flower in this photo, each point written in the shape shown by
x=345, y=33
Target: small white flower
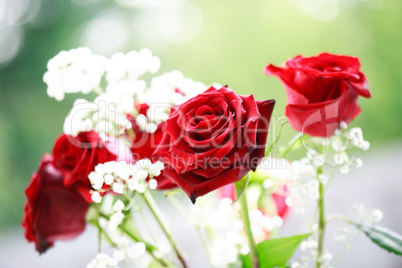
x=118, y=188
x=268, y=183
x=323, y=179
x=343, y=125
x=358, y=162
x=140, y=175
x=137, y=250
x=96, y=197
x=153, y=184
x=132, y=184
x=115, y=220
x=119, y=255
x=344, y=169
x=109, y=179
x=118, y=206
x=376, y=215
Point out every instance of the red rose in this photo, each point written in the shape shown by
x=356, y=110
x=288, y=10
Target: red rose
x=214, y=139
x=144, y=145
x=52, y=211
x=77, y=156
x=322, y=91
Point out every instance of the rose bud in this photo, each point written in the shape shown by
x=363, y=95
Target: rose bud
x=52, y=211
x=322, y=91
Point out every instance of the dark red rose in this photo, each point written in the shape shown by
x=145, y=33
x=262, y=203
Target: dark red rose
x=52, y=211
x=322, y=91
x=144, y=144
x=77, y=156
x=214, y=139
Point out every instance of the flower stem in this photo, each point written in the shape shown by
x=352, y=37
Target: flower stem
x=148, y=247
x=247, y=229
x=159, y=217
x=321, y=221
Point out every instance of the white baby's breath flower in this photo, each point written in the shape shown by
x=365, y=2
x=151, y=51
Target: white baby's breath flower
x=153, y=184
x=131, y=66
x=137, y=250
x=96, y=197
x=73, y=71
x=103, y=260
x=118, y=205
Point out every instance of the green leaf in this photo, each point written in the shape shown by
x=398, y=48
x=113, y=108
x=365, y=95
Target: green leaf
x=383, y=237
x=276, y=252
x=241, y=187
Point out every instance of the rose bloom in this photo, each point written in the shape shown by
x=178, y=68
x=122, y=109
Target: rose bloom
x=322, y=91
x=76, y=157
x=144, y=144
x=214, y=139
x=52, y=211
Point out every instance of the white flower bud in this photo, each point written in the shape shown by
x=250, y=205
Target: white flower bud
x=377, y=215
x=132, y=184
x=136, y=251
x=343, y=125
x=109, y=179
x=96, y=197
x=118, y=188
x=344, y=169
x=118, y=205
x=358, y=162
x=268, y=183
x=152, y=184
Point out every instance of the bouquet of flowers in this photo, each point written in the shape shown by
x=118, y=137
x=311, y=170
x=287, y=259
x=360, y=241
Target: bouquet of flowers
x=180, y=137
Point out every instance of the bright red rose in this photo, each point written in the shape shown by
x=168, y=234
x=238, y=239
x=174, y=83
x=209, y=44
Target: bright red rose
x=52, y=211
x=144, y=145
x=77, y=156
x=214, y=139
x=322, y=91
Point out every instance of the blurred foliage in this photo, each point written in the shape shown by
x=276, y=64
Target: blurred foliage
x=237, y=40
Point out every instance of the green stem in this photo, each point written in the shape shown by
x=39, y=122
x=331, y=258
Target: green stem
x=185, y=213
x=321, y=221
x=98, y=90
x=148, y=247
x=247, y=229
x=159, y=217
x=292, y=143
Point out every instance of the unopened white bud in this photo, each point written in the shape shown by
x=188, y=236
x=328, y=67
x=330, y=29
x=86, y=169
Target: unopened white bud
x=118, y=205
x=152, y=184
x=358, y=162
x=344, y=169
x=377, y=215
x=108, y=179
x=118, y=188
x=343, y=125
x=96, y=197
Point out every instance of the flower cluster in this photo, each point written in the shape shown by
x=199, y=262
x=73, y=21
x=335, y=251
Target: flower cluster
x=77, y=70
x=106, y=115
x=225, y=230
x=172, y=132
x=121, y=177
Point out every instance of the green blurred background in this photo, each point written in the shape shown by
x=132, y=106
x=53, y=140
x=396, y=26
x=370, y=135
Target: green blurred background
x=226, y=41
